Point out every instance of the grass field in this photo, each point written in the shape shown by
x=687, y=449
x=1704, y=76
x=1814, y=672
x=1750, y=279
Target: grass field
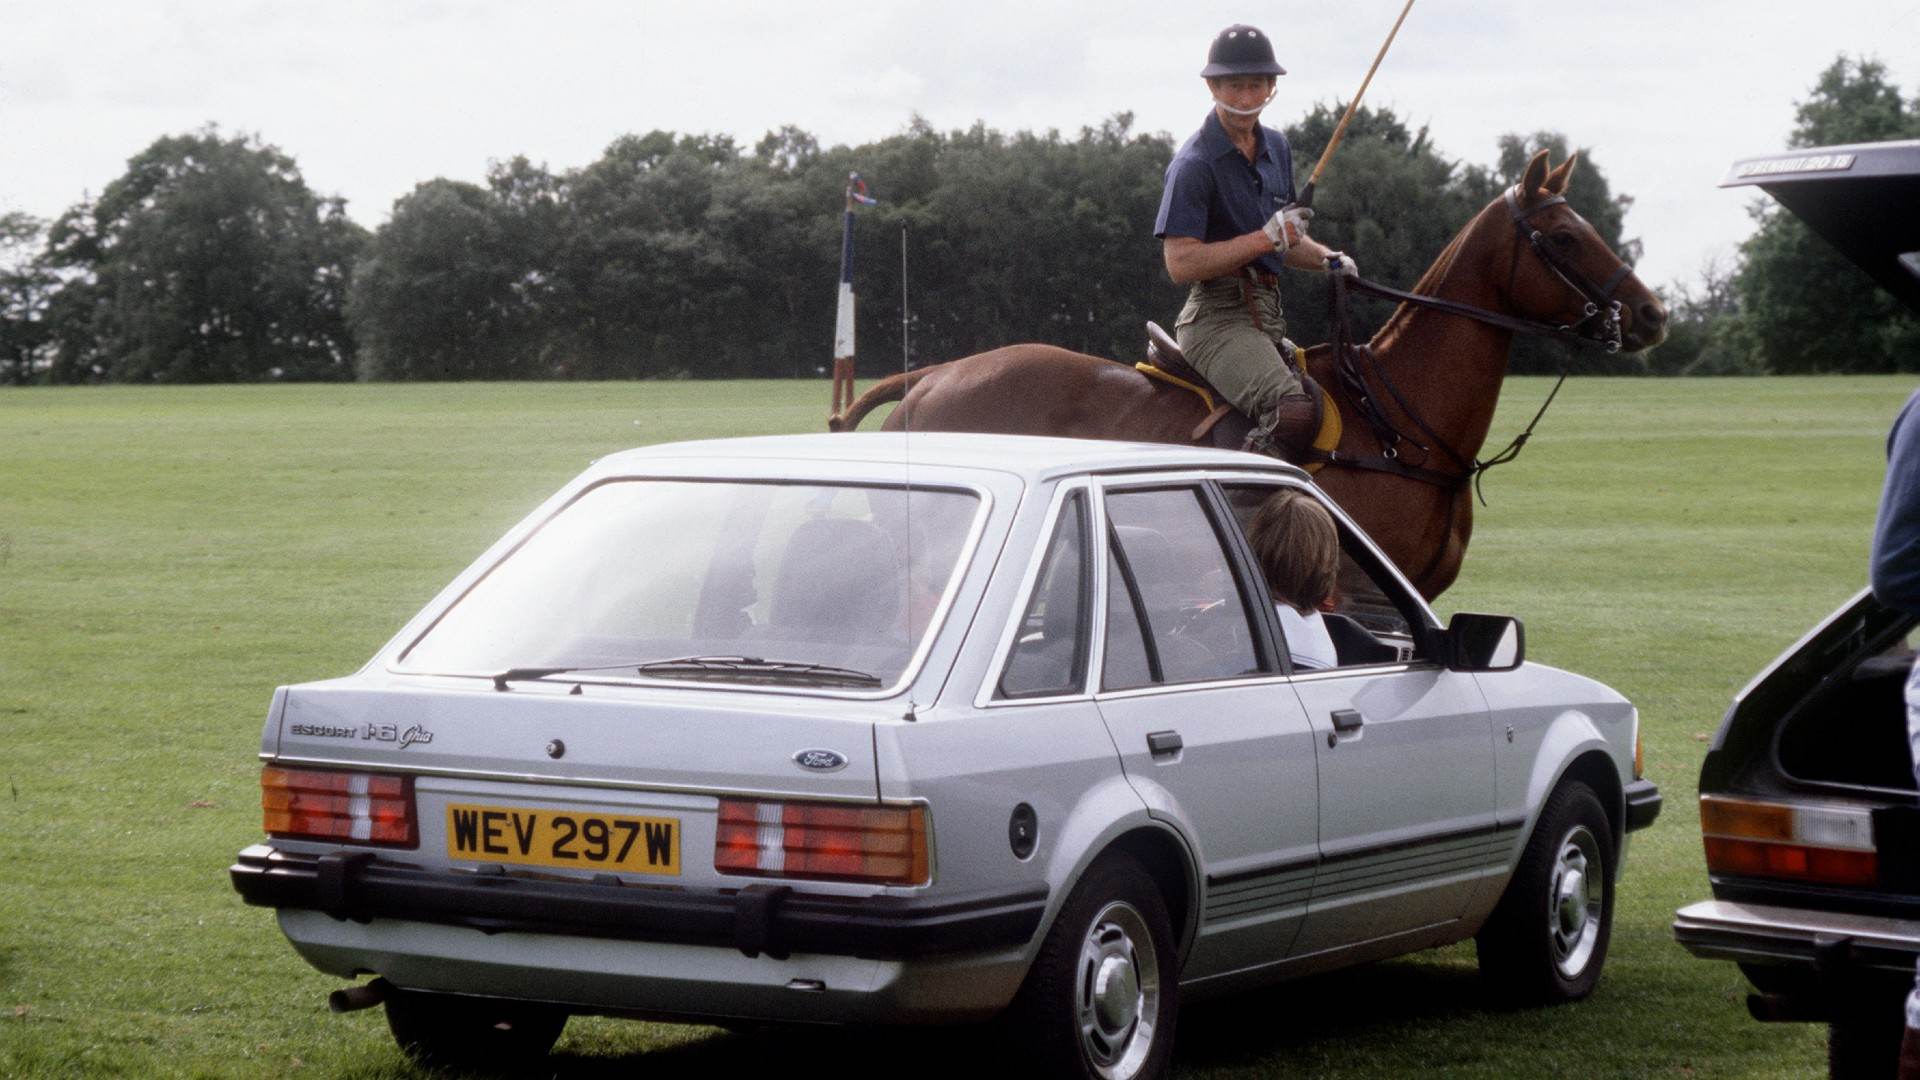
x=168, y=556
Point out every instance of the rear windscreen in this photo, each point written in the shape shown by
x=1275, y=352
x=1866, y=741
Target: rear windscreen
x=634, y=572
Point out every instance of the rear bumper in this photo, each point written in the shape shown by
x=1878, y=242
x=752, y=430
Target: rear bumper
x=757, y=919
x=1825, y=942
x=1643, y=804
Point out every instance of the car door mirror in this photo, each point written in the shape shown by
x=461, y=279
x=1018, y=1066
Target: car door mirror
x=1477, y=642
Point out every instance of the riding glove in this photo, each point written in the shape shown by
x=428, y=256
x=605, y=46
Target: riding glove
x=1287, y=227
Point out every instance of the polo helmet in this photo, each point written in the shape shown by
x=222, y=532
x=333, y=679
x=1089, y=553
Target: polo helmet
x=1240, y=50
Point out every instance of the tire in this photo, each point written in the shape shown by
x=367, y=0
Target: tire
x=1101, y=998
x=1864, y=1043
x=1547, y=938
x=486, y=1035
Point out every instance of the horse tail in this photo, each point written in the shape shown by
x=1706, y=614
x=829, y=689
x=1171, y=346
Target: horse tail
x=891, y=388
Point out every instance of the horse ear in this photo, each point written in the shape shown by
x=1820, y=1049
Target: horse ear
x=1557, y=179
x=1535, y=177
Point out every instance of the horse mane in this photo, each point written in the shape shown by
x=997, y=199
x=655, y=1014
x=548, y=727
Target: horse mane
x=1442, y=265
x=1430, y=281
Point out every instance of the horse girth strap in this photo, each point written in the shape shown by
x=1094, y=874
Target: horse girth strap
x=1348, y=359
x=1447, y=482
x=1393, y=466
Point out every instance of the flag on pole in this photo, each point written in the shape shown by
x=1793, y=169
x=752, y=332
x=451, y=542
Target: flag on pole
x=843, y=324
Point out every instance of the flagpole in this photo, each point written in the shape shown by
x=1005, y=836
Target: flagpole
x=843, y=351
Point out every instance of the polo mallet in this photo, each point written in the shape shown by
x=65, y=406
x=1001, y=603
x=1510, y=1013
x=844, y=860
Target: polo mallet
x=1340, y=130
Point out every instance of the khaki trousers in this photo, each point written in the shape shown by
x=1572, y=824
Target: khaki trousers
x=1230, y=331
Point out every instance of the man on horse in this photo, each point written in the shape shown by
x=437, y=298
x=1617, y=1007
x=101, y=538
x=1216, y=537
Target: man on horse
x=1227, y=224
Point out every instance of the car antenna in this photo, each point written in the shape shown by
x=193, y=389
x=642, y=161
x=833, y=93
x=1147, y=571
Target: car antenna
x=906, y=454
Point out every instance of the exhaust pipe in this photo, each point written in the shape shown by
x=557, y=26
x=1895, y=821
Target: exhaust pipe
x=355, y=998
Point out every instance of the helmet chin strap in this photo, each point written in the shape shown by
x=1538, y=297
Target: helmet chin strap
x=1255, y=111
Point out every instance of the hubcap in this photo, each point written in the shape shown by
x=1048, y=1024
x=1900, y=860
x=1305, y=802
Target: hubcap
x=1576, y=900
x=1117, y=991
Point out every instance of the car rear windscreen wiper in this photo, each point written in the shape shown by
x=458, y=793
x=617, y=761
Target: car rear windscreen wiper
x=736, y=667
x=754, y=667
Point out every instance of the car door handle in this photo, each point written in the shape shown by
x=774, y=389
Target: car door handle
x=1347, y=719
x=1163, y=743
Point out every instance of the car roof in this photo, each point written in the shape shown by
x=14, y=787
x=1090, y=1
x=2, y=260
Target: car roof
x=1031, y=457
x=1860, y=197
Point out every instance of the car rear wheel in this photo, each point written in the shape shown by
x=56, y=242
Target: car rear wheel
x=478, y=1034
x=1547, y=939
x=1100, y=1000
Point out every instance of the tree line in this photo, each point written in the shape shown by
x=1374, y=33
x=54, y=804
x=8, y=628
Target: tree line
x=689, y=255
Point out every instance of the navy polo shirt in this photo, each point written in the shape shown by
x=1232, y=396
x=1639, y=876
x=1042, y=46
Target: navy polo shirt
x=1214, y=193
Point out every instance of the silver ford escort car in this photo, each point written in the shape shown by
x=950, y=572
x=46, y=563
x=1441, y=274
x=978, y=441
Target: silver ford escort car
x=873, y=727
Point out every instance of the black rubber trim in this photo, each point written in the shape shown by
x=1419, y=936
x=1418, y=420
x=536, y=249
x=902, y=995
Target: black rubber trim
x=770, y=919
x=1266, y=870
x=1491, y=828
x=1643, y=804
x=1471, y=831
x=1814, y=897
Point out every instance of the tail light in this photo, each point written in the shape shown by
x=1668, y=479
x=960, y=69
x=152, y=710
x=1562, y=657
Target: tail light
x=1822, y=843
x=830, y=841
x=1639, y=759
x=312, y=804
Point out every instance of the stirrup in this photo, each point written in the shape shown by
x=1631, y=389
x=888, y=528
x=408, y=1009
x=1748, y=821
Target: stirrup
x=1260, y=441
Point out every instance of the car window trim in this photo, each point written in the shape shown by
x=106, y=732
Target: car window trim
x=1156, y=675
x=991, y=694
x=1395, y=667
x=988, y=695
x=1220, y=518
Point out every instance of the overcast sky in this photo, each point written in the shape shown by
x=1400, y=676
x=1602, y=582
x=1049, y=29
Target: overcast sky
x=374, y=96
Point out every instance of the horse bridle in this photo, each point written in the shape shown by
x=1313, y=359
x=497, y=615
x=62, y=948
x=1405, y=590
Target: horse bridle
x=1599, y=319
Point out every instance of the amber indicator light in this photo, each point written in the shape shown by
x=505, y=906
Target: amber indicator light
x=1776, y=840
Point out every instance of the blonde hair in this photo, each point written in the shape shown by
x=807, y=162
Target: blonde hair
x=1298, y=547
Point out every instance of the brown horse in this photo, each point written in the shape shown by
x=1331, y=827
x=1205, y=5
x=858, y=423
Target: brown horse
x=1405, y=476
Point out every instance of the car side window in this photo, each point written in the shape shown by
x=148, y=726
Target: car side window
x=1368, y=619
x=1049, y=655
x=1189, y=606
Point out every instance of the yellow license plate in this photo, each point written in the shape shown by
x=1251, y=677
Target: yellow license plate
x=564, y=838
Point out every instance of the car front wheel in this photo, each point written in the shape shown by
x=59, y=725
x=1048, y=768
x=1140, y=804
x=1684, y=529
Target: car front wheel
x=1547, y=939
x=476, y=1034
x=1099, y=1001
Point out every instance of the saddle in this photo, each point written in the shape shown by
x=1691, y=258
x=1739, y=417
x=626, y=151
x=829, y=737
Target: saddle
x=1225, y=426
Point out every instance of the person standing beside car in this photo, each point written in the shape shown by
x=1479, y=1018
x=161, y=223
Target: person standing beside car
x=1895, y=575
x=1227, y=226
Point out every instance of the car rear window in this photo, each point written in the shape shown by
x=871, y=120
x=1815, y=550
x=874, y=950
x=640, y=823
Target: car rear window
x=634, y=572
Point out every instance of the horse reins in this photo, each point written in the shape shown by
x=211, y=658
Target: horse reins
x=1598, y=298
x=1599, y=322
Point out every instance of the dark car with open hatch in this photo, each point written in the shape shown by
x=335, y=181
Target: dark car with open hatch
x=1808, y=806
